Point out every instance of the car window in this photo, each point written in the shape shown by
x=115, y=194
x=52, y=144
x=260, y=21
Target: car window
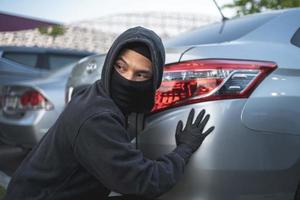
x=221, y=32
x=5, y=66
x=28, y=59
x=58, y=61
x=296, y=38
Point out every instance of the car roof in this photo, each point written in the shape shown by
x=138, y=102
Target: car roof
x=44, y=50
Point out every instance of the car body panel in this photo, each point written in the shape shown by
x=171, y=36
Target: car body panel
x=13, y=72
x=274, y=105
x=258, y=51
x=88, y=70
x=226, y=156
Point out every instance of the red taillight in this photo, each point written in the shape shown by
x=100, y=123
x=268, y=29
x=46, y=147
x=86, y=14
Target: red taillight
x=203, y=80
x=19, y=99
x=33, y=98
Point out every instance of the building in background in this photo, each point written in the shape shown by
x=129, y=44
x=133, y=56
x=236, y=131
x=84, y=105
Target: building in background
x=97, y=35
x=10, y=22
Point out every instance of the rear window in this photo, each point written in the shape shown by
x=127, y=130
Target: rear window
x=296, y=38
x=221, y=32
x=58, y=61
x=27, y=59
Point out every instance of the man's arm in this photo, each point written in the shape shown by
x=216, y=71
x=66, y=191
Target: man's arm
x=103, y=147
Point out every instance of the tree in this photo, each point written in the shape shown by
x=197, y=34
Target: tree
x=245, y=7
x=53, y=31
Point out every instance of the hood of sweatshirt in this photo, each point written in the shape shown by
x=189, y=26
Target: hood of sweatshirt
x=136, y=34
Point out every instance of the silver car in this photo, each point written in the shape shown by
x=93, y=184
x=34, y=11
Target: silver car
x=32, y=84
x=245, y=72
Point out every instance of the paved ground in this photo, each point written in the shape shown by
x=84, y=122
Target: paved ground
x=10, y=159
x=4, y=179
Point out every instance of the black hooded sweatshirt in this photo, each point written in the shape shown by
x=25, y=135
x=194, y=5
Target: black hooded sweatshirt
x=87, y=152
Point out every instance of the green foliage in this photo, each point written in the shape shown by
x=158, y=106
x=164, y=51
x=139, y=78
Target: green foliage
x=53, y=31
x=245, y=7
x=2, y=192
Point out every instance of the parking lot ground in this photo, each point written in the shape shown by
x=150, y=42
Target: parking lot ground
x=10, y=158
x=2, y=192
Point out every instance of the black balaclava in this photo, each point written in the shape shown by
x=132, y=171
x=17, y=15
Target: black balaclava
x=134, y=96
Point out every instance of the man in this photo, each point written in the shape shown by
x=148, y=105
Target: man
x=87, y=153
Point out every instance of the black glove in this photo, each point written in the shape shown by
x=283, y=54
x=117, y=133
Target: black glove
x=192, y=135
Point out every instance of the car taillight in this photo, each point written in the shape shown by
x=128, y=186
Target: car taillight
x=18, y=99
x=32, y=98
x=204, y=80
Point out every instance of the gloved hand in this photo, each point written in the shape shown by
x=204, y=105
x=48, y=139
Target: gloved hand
x=192, y=135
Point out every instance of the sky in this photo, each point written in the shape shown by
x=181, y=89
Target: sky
x=69, y=11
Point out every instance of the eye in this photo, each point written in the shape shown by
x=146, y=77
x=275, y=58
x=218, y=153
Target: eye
x=143, y=76
x=119, y=67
